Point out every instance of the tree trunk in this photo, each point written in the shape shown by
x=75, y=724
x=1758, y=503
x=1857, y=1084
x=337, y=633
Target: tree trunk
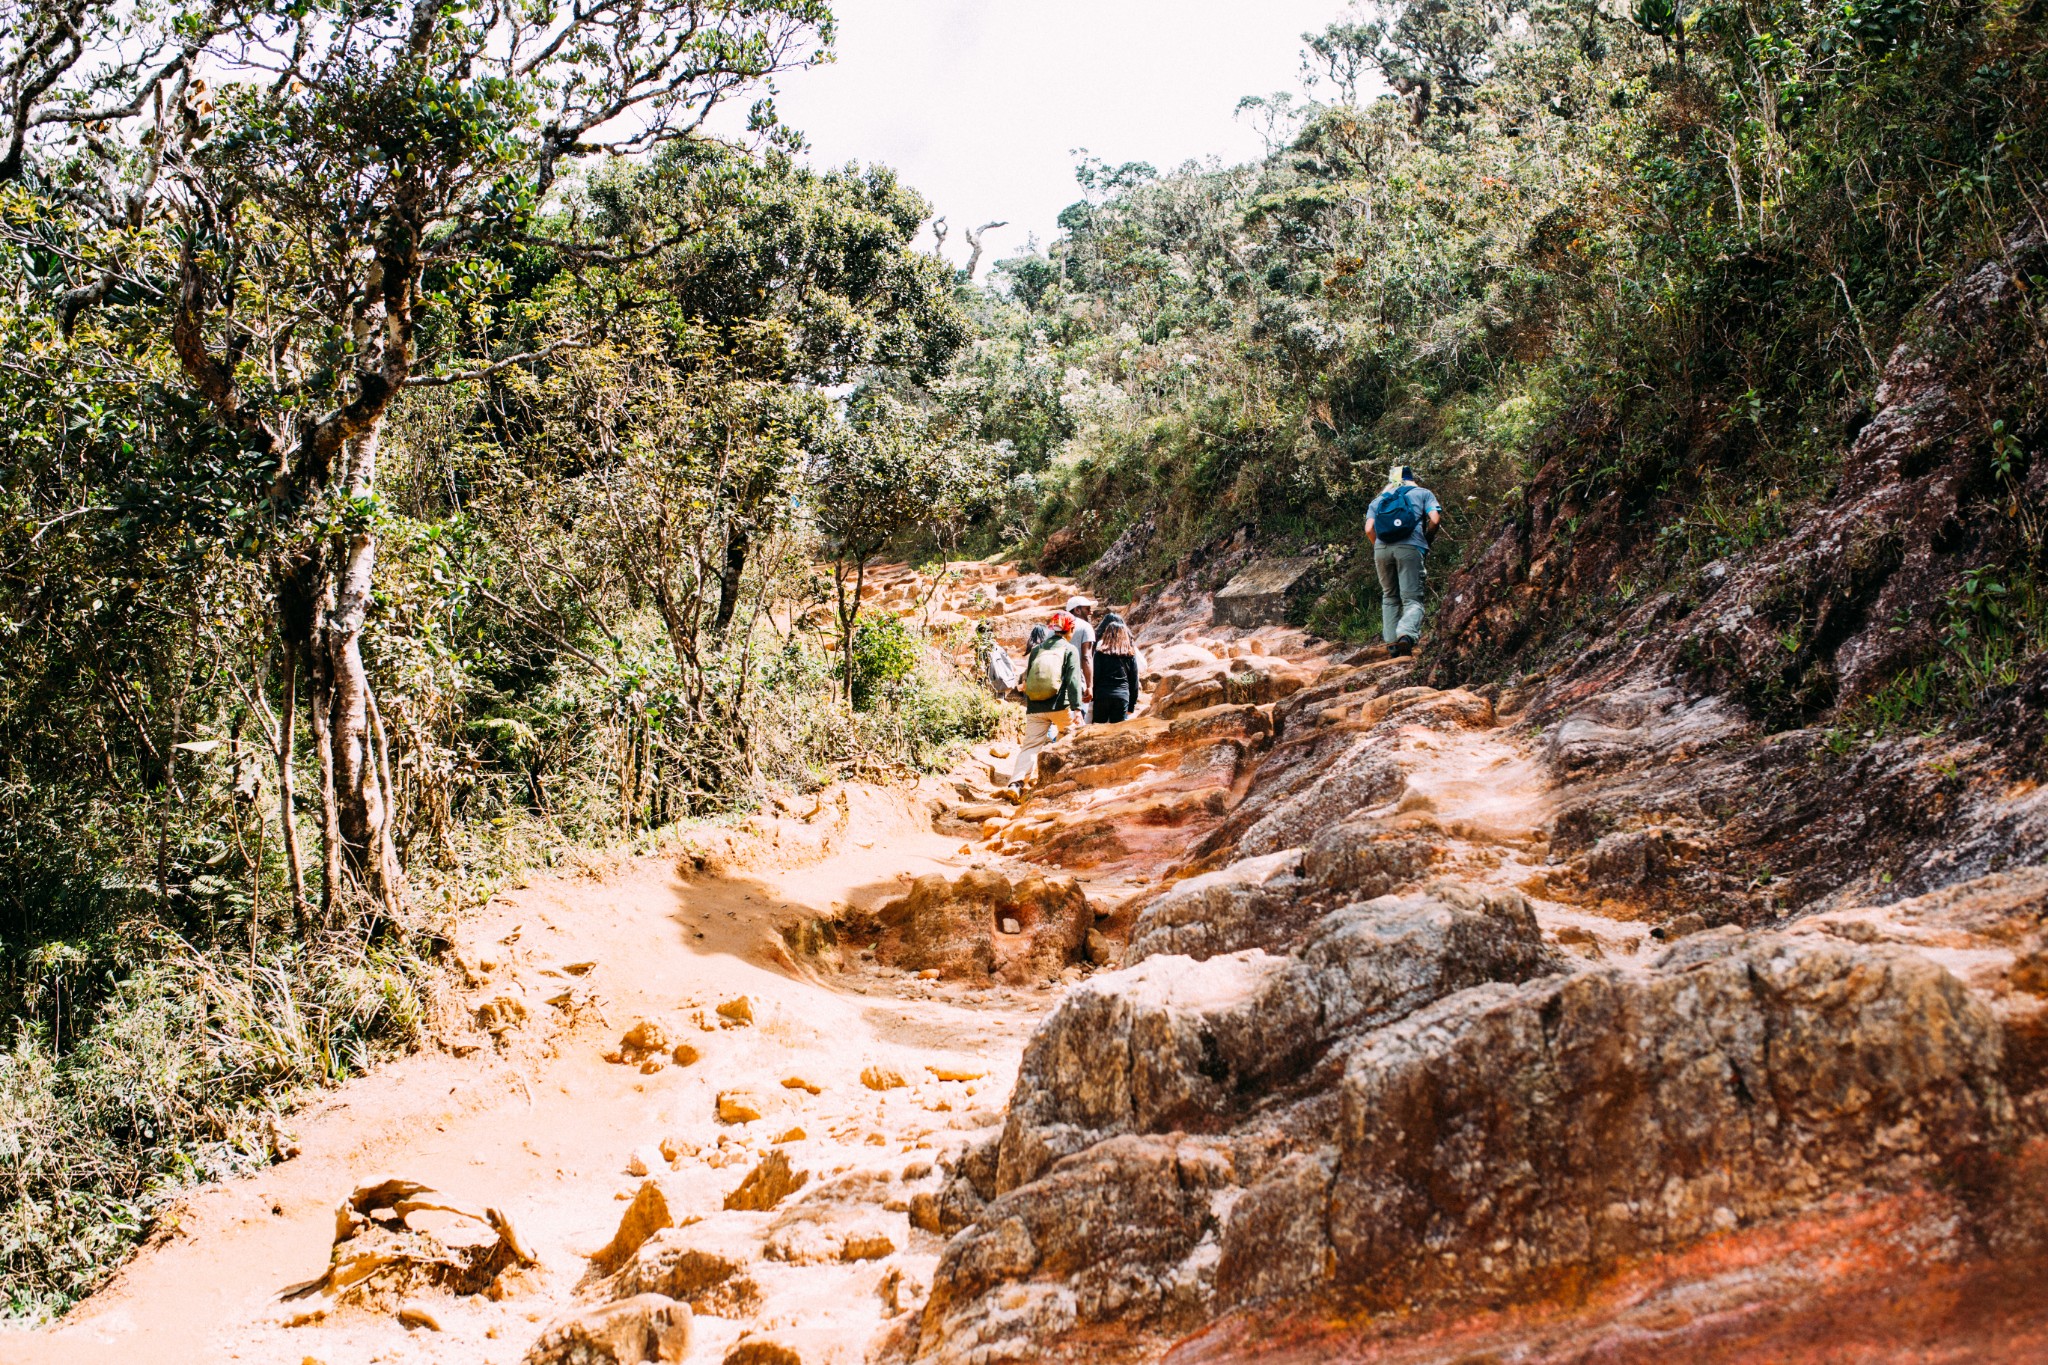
x=330, y=808
x=359, y=823
x=287, y=815
x=323, y=585
x=737, y=546
x=847, y=616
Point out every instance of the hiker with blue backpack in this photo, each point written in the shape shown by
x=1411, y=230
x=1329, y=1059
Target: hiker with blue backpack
x=1052, y=696
x=1399, y=524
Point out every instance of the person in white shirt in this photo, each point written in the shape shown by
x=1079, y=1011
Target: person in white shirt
x=1082, y=609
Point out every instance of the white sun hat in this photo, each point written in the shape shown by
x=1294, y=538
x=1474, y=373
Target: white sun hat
x=1080, y=604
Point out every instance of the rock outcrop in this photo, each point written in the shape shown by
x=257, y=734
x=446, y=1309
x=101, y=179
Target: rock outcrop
x=1462, y=1140
x=1267, y=593
x=646, y=1328
x=1346, y=1069
x=980, y=927
x=1723, y=708
x=1174, y=1044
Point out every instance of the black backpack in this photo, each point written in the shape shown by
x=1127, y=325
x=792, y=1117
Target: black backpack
x=1393, y=516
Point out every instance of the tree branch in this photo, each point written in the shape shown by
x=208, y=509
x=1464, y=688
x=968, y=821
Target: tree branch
x=428, y=381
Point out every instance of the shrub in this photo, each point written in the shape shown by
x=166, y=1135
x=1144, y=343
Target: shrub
x=183, y=1069
x=885, y=652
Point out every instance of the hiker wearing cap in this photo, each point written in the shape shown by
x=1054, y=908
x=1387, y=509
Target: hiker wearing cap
x=1052, y=696
x=1399, y=524
x=1082, y=609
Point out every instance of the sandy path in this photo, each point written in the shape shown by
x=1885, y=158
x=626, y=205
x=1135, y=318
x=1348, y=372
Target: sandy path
x=545, y=1128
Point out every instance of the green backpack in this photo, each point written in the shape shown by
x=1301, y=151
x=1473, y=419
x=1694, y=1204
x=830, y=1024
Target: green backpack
x=1046, y=667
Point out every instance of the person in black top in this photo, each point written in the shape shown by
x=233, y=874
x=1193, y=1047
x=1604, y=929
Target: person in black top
x=1116, y=672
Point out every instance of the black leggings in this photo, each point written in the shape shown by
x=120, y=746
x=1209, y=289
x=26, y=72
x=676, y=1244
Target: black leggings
x=1111, y=708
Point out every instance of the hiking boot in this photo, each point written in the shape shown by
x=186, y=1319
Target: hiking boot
x=1404, y=646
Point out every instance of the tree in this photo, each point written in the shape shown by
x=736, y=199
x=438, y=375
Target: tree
x=884, y=472
x=75, y=66
x=350, y=187
x=781, y=275
x=1435, y=52
x=974, y=238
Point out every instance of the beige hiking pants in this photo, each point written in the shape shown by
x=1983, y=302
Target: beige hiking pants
x=1039, y=731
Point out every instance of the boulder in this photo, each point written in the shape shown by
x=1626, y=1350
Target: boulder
x=705, y=1265
x=1373, y=1121
x=646, y=1214
x=739, y=1106
x=1113, y=1228
x=646, y=1327
x=1173, y=1043
x=882, y=1078
x=1607, y=1114
x=1266, y=593
x=1224, y=911
x=840, y=1218
x=643, y=1040
x=767, y=1185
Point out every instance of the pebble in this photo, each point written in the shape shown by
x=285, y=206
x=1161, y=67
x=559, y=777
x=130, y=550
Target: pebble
x=738, y=1106
x=882, y=1078
x=415, y=1318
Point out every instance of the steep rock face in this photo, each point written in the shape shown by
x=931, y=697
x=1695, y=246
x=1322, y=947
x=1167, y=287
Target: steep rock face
x=1607, y=1114
x=1478, y=1140
x=1852, y=592
x=1690, y=809
x=1856, y=591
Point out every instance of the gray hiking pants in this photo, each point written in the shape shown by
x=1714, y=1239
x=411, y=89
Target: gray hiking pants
x=1401, y=582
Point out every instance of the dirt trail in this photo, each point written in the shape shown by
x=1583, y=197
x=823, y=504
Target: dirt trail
x=540, y=1125
x=546, y=1128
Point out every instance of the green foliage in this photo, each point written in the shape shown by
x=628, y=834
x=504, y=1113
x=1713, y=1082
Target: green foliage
x=1995, y=626
x=1671, y=282
x=885, y=652
x=181, y=1074
x=930, y=721
x=888, y=470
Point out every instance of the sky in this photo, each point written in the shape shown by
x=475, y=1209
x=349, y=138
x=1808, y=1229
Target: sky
x=980, y=104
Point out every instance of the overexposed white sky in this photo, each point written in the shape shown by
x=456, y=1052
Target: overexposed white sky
x=980, y=103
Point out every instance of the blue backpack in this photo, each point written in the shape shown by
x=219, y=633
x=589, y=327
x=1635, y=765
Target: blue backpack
x=1394, y=518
